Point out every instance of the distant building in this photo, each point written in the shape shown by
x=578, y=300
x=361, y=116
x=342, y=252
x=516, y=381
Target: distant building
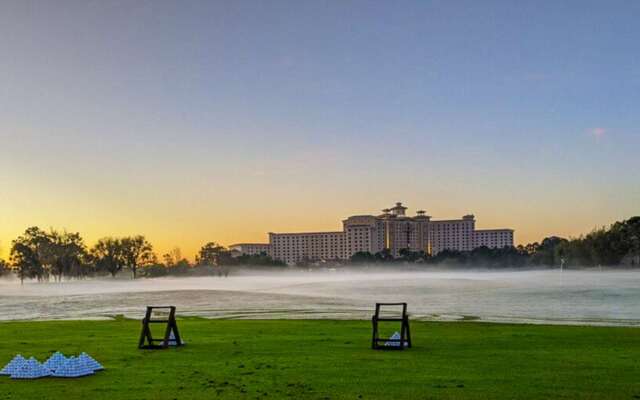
x=392, y=230
x=250, y=248
x=493, y=238
x=294, y=247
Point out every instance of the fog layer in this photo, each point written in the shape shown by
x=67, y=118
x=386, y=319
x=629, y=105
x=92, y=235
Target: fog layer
x=569, y=297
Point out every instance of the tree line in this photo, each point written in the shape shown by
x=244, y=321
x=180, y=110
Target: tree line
x=46, y=255
x=57, y=255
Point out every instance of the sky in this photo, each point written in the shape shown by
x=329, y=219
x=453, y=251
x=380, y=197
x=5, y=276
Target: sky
x=198, y=121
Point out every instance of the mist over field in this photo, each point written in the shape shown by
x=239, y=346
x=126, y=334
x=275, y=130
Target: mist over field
x=590, y=297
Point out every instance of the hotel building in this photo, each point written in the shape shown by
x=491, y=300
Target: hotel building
x=392, y=230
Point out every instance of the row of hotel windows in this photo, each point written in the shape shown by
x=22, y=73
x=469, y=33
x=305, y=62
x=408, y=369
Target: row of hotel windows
x=449, y=239
x=291, y=255
x=364, y=233
x=435, y=239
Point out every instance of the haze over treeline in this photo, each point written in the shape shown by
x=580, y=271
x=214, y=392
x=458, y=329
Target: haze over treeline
x=45, y=255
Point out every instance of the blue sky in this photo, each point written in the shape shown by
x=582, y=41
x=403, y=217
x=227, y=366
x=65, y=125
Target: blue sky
x=195, y=121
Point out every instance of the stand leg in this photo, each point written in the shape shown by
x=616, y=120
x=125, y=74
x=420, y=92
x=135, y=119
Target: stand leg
x=145, y=334
x=408, y=330
x=374, y=341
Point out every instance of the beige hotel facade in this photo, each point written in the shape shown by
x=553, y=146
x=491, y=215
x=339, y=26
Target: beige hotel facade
x=393, y=230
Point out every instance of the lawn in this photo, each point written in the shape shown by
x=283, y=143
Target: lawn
x=239, y=359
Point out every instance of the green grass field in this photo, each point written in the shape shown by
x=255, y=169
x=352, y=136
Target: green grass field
x=332, y=360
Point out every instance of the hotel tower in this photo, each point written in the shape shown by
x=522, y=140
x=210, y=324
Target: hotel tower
x=392, y=230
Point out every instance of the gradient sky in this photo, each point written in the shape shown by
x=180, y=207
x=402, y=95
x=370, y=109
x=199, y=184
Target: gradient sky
x=220, y=121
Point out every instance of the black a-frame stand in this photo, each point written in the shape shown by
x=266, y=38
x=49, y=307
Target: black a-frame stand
x=171, y=334
x=387, y=343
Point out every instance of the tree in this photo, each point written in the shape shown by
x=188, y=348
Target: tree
x=137, y=252
x=226, y=258
x=627, y=234
x=107, y=255
x=407, y=255
x=65, y=254
x=261, y=259
x=363, y=257
x=212, y=254
x=454, y=257
x=28, y=253
x=307, y=262
x=39, y=254
x=384, y=256
x=546, y=253
x=633, y=239
x=4, y=267
x=175, y=263
x=154, y=270
x=25, y=261
x=172, y=257
x=181, y=267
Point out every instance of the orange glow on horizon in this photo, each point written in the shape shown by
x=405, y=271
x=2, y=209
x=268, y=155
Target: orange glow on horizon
x=194, y=232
